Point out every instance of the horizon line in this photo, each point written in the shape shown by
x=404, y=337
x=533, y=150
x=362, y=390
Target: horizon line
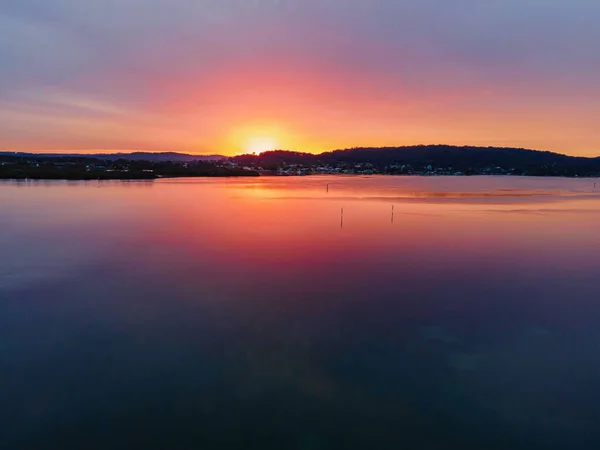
x=91, y=152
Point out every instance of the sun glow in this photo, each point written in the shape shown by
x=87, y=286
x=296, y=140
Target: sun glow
x=260, y=144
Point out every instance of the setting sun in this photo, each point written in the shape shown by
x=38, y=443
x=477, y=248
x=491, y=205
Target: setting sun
x=260, y=144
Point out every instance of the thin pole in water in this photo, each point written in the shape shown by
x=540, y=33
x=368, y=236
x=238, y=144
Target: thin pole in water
x=328, y=187
x=392, y=213
x=342, y=219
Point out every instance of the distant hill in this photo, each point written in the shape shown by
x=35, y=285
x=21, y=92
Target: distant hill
x=420, y=159
x=465, y=159
x=21, y=166
x=134, y=156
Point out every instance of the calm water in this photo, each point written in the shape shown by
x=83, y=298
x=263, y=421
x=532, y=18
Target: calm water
x=248, y=314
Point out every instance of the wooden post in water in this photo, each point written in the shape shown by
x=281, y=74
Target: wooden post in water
x=342, y=219
x=392, y=213
x=328, y=188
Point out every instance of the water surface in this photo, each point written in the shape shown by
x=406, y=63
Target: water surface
x=434, y=313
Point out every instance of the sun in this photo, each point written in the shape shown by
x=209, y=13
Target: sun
x=260, y=144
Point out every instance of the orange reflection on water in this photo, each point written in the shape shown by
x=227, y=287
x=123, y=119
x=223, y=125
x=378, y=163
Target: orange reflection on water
x=280, y=224
x=291, y=222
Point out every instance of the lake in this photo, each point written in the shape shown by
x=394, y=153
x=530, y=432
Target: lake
x=300, y=313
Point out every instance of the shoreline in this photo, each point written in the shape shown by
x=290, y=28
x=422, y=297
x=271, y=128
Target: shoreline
x=160, y=177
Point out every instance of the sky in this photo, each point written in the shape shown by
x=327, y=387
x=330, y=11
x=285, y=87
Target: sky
x=236, y=76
